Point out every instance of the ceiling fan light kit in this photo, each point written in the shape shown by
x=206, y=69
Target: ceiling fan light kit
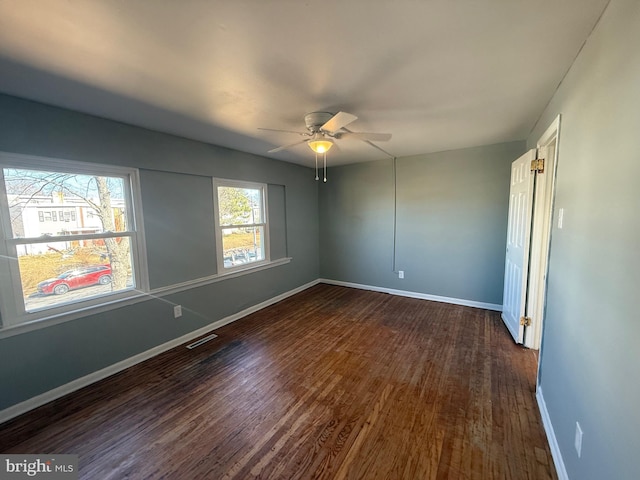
x=323, y=128
x=319, y=144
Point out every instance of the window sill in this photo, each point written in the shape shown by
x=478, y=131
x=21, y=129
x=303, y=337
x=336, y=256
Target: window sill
x=11, y=330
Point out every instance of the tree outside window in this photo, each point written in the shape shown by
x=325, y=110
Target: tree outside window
x=241, y=227
x=57, y=261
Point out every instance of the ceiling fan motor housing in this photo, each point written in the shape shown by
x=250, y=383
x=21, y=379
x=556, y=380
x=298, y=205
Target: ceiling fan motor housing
x=315, y=120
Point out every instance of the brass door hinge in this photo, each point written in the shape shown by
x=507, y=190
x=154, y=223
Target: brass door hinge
x=525, y=321
x=537, y=165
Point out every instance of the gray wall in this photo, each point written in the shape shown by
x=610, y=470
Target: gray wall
x=451, y=222
x=177, y=195
x=590, y=360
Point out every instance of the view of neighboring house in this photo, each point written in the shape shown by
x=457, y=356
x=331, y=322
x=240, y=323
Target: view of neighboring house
x=55, y=215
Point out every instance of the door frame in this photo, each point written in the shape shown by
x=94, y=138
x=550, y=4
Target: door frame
x=544, y=198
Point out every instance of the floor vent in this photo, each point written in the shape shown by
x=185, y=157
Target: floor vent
x=201, y=341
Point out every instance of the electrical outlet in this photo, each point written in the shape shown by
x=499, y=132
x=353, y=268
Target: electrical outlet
x=560, y=217
x=401, y=274
x=177, y=311
x=578, y=440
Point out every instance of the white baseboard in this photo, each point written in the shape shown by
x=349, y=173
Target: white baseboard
x=423, y=296
x=46, y=397
x=551, y=437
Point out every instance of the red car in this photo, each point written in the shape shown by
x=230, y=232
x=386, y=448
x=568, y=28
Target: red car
x=78, y=278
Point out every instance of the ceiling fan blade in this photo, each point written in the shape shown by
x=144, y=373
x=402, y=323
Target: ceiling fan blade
x=284, y=131
x=372, y=137
x=338, y=121
x=284, y=147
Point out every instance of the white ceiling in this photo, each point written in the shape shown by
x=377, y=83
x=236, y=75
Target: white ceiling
x=437, y=74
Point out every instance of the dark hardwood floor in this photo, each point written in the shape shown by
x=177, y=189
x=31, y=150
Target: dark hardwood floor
x=332, y=383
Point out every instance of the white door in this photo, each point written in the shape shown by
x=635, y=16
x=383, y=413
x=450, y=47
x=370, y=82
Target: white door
x=518, y=242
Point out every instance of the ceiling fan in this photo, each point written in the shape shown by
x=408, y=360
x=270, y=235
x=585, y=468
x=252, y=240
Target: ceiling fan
x=323, y=129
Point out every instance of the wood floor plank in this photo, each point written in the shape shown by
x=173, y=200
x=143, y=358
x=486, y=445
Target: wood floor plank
x=332, y=383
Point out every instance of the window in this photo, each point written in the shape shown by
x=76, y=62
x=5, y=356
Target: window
x=54, y=273
x=241, y=224
x=55, y=218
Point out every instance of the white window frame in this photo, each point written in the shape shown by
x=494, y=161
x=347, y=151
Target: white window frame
x=12, y=306
x=220, y=182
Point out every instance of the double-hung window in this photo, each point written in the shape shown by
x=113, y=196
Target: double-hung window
x=89, y=257
x=242, y=235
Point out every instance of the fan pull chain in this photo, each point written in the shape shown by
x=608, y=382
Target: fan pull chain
x=317, y=178
x=325, y=166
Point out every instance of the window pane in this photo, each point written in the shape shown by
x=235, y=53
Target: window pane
x=85, y=203
x=242, y=245
x=239, y=206
x=58, y=273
